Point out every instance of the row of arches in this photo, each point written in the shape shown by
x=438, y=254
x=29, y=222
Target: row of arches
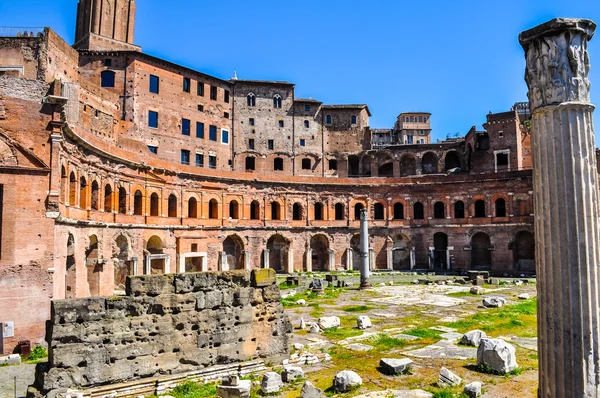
x=409, y=164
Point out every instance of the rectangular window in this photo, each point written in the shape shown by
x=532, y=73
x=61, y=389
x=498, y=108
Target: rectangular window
x=200, y=89
x=200, y=159
x=226, y=115
x=328, y=119
x=185, y=126
x=251, y=121
x=226, y=94
x=154, y=84
x=213, y=93
x=410, y=139
x=212, y=161
x=108, y=62
x=406, y=119
x=421, y=141
x=186, y=84
x=185, y=156
x=353, y=119
x=307, y=108
x=224, y=136
x=306, y=124
x=212, y=133
x=199, y=130
x=270, y=144
x=302, y=142
x=153, y=149
x=281, y=123
x=153, y=119
x=201, y=108
x=251, y=143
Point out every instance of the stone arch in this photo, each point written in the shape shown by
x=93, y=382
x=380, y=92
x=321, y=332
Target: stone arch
x=318, y=211
x=233, y=250
x=378, y=211
x=429, y=163
x=172, y=205
x=500, y=207
x=358, y=207
x=451, y=160
x=275, y=210
x=121, y=260
x=418, y=211
x=355, y=246
x=108, y=198
x=138, y=203
x=401, y=247
x=481, y=256
x=319, y=245
x=524, y=251
x=480, y=208
x=213, y=209
x=408, y=165
x=255, y=210
x=70, y=269
x=192, y=207
x=459, y=209
x=234, y=209
x=154, y=204
x=386, y=167
x=353, y=166
x=398, y=211
x=339, y=211
x=440, y=250
x=155, y=246
x=297, y=211
x=95, y=205
x=72, y=189
x=439, y=210
x=366, y=166
x=93, y=267
x=278, y=248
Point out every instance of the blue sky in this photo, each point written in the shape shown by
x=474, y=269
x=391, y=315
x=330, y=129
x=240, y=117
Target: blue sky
x=456, y=59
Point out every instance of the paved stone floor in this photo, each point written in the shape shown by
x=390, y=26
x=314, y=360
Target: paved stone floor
x=24, y=374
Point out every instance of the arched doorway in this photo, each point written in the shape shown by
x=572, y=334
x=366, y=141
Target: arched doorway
x=155, y=248
x=172, y=206
x=451, y=161
x=71, y=271
x=401, y=253
x=278, y=248
x=440, y=250
x=358, y=208
x=233, y=250
x=320, y=252
x=138, y=203
x=255, y=210
x=339, y=211
x=92, y=267
x=408, y=166
x=366, y=166
x=192, y=208
x=386, y=168
x=429, y=163
x=297, y=211
x=122, y=201
x=234, y=210
x=524, y=251
x=122, y=264
x=481, y=256
x=353, y=166
x=213, y=209
x=154, y=204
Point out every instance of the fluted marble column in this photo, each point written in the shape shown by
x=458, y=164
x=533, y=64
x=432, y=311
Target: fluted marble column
x=566, y=207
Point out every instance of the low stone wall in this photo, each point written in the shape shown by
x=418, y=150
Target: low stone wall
x=165, y=325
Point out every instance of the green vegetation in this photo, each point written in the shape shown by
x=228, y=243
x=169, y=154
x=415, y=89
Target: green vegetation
x=38, y=352
x=286, y=286
x=383, y=342
x=356, y=308
x=341, y=333
x=424, y=333
x=190, y=389
x=448, y=393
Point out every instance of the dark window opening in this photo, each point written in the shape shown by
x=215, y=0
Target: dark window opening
x=107, y=78
x=378, y=211
x=306, y=164
x=255, y=210
x=212, y=133
x=185, y=156
x=154, y=204
x=251, y=99
x=339, y=211
x=459, y=209
x=297, y=212
x=502, y=159
x=224, y=136
x=108, y=198
x=275, y=211
x=251, y=121
x=281, y=124
x=213, y=93
x=185, y=126
x=192, y=208
x=212, y=162
x=138, y=200
x=332, y=164
x=270, y=144
x=318, y=211
x=200, y=89
x=306, y=124
x=398, y=211
x=226, y=115
x=419, y=213
x=328, y=119
x=277, y=101
x=439, y=210
x=226, y=96
x=122, y=201
x=108, y=62
x=358, y=208
x=186, y=84
x=353, y=119
x=251, y=143
x=153, y=119
x=199, y=130
x=278, y=164
x=482, y=142
x=302, y=142
x=213, y=209
x=500, y=207
x=200, y=160
x=154, y=84
x=234, y=213
x=479, y=208
x=250, y=163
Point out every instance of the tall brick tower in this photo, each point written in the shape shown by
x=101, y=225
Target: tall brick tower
x=105, y=25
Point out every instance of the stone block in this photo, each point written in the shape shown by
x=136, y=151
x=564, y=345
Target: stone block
x=242, y=296
x=346, y=380
x=449, y=379
x=195, y=281
x=393, y=366
x=213, y=299
x=473, y=390
x=271, y=294
x=150, y=285
x=494, y=302
x=291, y=373
x=473, y=337
x=263, y=277
x=328, y=322
x=310, y=391
x=78, y=310
x=271, y=383
x=363, y=322
x=241, y=390
x=497, y=355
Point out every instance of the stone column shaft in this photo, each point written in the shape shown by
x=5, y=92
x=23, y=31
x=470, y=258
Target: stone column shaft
x=364, y=249
x=566, y=207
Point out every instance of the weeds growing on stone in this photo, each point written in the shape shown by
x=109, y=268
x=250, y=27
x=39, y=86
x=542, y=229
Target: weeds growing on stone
x=356, y=308
x=341, y=333
x=383, y=342
x=194, y=390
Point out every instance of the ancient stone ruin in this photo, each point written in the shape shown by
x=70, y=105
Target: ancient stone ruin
x=165, y=325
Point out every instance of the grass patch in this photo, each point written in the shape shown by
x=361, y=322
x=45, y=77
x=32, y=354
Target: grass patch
x=38, y=352
x=424, y=333
x=194, y=390
x=356, y=308
x=383, y=342
x=341, y=333
x=461, y=294
x=287, y=286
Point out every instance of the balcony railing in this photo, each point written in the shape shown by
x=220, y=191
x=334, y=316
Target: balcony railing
x=13, y=31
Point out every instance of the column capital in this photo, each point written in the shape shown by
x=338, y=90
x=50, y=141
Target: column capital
x=557, y=61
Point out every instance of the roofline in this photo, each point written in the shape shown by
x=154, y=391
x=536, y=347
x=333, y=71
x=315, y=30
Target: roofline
x=348, y=106
x=423, y=113
x=275, y=82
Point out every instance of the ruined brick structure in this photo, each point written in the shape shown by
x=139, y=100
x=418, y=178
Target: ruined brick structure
x=116, y=163
x=166, y=324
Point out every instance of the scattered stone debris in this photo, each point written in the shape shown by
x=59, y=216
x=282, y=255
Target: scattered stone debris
x=524, y=296
x=473, y=338
x=310, y=391
x=408, y=337
x=359, y=347
x=233, y=387
x=494, y=302
x=271, y=383
x=363, y=322
x=301, y=302
x=397, y=394
x=317, y=286
x=302, y=324
x=477, y=290
x=473, y=390
x=329, y=322
x=12, y=359
x=298, y=346
x=497, y=355
x=449, y=379
x=346, y=380
x=314, y=328
x=393, y=366
x=451, y=336
x=291, y=373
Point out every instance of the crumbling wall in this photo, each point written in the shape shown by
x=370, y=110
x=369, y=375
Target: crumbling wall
x=166, y=324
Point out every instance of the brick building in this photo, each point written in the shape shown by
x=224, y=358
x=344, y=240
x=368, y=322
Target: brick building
x=115, y=162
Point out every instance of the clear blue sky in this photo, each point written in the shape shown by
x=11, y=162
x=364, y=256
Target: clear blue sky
x=456, y=59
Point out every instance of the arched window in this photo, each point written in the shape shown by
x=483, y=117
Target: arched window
x=429, y=163
x=255, y=210
x=275, y=211
x=459, y=209
x=234, y=212
x=251, y=99
x=318, y=211
x=122, y=201
x=64, y=185
x=172, y=205
x=398, y=211
x=82, y=193
x=439, y=210
x=500, y=207
x=306, y=164
x=192, y=208
x=357, y=209
x=278, y=164
x=95, y=195
x=479, y=208
x=297, y=211
x=378, y=211
x=154, y=204
x=138, y=200
x=107, y=78
x=277, y=101
x=339, y=211
x=108, y=198
x=213, y=209
x=418, y=210
x=72, y=189
x=250, y=163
